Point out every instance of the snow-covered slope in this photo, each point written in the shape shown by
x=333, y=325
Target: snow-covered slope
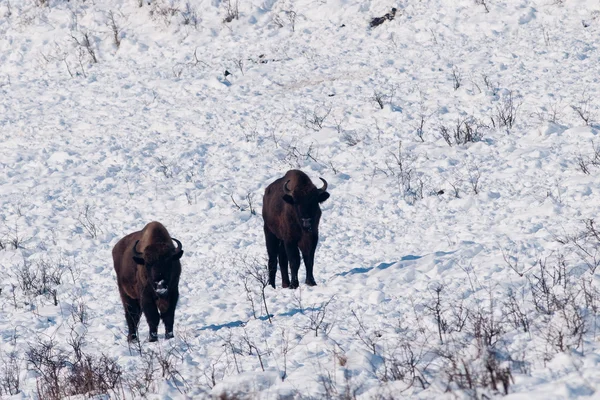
x=438, y=261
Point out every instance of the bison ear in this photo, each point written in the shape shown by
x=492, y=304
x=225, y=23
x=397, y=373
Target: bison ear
x=323, y=196
x=138, y=260
x=177, y=255
x=288, y=199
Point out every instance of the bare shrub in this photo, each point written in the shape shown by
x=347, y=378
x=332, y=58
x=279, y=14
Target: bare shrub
x=474, y=178
x=347, y=390
x=422, y=118
x=62, y=373
x=316, y=318
x=492, y=87
x=456, y=77
x=85, y=43
x=369, y=337
x=476, y=376
x=164, y=10
x=315, y=120
x=467, y=130
x=405, y=361
x=446, y=135
x=550, y=112
x=401, y=166
x=232, y=10
x=10, y=370
x=79, y=312
x=586, y=244
x=291, y=15
x=249, y=203
x=513, y=311
x=88, y=221
x=142, y=381
x=586, y=162
x=42, y=279
x=277, y=20
x=379, y=98
x=583, y=108
x=259, y=272
x=484, y=4
x=506, y=111
x=168, y=361
x=116, y=31
x=189, y=15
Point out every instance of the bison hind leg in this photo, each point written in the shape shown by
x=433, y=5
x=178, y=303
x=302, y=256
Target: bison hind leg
x=283, y=266
x=273, y=244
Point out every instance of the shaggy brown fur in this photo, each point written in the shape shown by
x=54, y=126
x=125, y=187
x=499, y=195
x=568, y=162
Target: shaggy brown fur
x=148, y=269
x=291, y=214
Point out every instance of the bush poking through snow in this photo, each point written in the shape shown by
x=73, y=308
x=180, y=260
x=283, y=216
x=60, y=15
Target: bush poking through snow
x=86, y=44
x=42, y=279
x=259, y=274
x=116, y=31
x=506, y=111
x=67, y=373
x=10, y=369
x=232, y=10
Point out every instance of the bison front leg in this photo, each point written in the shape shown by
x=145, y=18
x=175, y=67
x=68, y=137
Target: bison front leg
x=152, y=316
x=168, y=317
x=308, y=245
x=133, y=313
x=294, y=259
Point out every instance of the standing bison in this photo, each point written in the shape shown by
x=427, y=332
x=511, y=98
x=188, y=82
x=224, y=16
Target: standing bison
x=291, y=213
x=148, y=269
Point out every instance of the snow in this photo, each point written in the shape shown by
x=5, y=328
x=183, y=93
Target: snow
x=155, y=131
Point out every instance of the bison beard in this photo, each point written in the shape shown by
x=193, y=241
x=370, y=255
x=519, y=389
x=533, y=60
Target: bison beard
x=148, y=269
x=291, y=215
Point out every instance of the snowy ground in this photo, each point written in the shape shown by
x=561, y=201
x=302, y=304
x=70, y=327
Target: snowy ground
x=155, y=131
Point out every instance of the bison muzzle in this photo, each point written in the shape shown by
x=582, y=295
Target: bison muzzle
x=148, y=269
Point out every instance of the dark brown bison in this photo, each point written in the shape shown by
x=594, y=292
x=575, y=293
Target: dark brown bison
x=148, y=269
x=291, y=213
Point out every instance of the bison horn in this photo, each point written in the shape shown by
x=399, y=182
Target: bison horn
x=135, y=250
x=324, y=188
x=178, y=249
x=285, y=187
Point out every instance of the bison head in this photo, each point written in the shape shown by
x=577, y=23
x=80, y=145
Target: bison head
x=306, y=205
x=158, y=259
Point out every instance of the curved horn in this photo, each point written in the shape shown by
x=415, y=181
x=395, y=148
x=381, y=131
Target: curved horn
x=135, y=250
x=285, y=187
x=178, y=249
x=324, y=188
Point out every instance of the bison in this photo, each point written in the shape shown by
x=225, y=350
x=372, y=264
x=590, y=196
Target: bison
x=148, y=269
x=291, y=215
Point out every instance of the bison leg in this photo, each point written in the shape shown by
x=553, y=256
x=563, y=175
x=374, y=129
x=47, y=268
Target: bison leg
x=152, y=316
x=283, y=266
x=133, y=313
x=308, y=245
x=294, y=259
x=272, y=251
x=168, y=317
